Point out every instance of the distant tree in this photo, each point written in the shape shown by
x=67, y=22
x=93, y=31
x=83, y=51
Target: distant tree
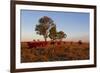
x=34, y=40
x=38, y=40
x=80, y=42
x=44, y=25
x=61, y=35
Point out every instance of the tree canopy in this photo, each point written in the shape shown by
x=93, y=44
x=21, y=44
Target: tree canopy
x=61, y=35
x=47, y=28
x=43, y=26
x=52, y=33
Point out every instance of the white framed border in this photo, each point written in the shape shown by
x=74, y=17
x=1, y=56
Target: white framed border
x=20, y=65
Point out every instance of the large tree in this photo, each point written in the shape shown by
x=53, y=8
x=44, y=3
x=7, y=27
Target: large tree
x=44, y=25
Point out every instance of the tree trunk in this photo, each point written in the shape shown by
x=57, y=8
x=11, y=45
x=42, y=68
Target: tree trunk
x=45, y=39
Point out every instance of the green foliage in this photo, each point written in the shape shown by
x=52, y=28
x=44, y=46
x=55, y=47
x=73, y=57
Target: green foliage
x=61, y=35
x=45, y=20
x=40, y=29
x=47, y=28
x=52, y=32
x=44, y=24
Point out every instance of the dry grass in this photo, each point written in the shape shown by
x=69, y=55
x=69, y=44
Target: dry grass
x=54, y=52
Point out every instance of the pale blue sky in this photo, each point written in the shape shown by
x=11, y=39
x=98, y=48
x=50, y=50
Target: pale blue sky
x=74, y=24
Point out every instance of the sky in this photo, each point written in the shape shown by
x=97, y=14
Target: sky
x=74, y=24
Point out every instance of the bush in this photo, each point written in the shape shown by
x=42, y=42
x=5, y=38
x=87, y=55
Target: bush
x=79, y=42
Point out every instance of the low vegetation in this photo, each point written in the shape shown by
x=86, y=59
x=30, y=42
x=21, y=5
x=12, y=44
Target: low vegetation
x=42, y=51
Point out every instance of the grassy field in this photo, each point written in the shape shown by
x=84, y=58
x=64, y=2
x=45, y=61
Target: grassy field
x=41, y=51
